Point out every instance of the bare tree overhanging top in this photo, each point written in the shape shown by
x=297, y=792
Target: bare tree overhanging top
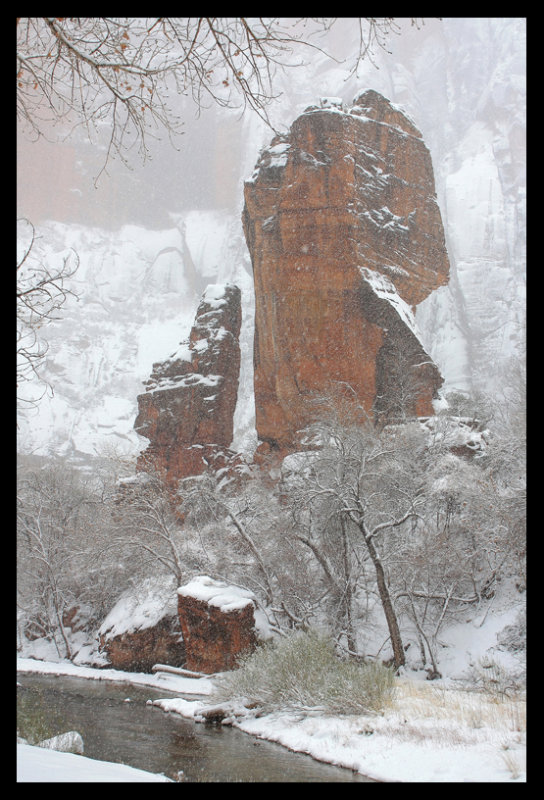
x=121, y=74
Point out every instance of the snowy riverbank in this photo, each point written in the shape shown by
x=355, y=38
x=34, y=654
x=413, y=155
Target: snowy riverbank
x=433, y=733
x=37, y=765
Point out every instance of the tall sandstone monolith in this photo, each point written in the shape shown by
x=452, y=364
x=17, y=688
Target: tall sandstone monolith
x=346, y=238
x=188, y=407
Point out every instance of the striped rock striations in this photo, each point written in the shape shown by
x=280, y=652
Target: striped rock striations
x=346, y=239
x=188, y=407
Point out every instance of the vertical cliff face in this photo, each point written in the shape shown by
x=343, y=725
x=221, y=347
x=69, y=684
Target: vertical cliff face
x=187, y=409
x=346, y=238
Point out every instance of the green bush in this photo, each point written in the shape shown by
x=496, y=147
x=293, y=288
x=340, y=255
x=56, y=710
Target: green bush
x=302, y=671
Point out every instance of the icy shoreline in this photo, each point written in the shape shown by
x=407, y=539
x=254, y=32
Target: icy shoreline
x=433, y=734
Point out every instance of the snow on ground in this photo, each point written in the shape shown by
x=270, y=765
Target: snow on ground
x=436, y=731
x=167, y=681
x=432, y=733
x=37, y=765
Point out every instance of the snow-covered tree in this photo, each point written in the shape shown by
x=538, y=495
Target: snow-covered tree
x=146, y=530
x=244, y=530
x=359, y=488
x=62, y=529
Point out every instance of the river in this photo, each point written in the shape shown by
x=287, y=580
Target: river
x=117, y=725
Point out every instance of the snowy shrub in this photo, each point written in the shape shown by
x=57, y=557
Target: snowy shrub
x=303, y=672
x=495, y=680
x=514, y=637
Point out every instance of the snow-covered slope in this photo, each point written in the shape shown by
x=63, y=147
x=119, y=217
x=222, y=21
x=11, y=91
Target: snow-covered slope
x=462, y=81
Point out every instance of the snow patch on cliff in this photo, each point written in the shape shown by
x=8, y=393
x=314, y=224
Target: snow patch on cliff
x=385, y=289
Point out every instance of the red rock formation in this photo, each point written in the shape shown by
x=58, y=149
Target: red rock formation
x=188, y=407
x=139, y=651
x=142, y=629
x=345, y=236
x=217, y=622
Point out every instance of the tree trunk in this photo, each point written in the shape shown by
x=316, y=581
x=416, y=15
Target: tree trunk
x=387, y=605
x=348, y=592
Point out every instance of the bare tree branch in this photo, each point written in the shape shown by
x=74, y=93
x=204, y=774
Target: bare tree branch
x=41, y=291
x=121, y=76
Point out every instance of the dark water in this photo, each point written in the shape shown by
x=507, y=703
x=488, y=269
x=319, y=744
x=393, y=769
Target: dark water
x=145, y=737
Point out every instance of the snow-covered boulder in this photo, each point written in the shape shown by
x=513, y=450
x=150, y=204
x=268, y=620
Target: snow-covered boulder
x=142, y=629
x=218, y=623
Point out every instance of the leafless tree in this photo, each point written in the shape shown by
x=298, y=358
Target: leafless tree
x=227, y=522
x=147, y=530
x=472, y=534
x=120, y=74
x=246, y=534
x=61, y=538
x=42, y=290
x=359, y=488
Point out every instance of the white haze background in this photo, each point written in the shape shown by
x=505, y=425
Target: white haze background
x=150, y=239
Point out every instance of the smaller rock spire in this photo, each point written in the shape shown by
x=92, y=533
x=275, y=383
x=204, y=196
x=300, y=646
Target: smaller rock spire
x=188, y=407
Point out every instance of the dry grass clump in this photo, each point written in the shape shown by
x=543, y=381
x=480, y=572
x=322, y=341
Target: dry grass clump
x=437, y=712
x=513, y=763
x=303, y=672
